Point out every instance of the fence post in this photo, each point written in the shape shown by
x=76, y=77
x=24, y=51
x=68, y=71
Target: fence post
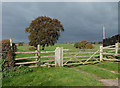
x=116, y=48
x=59, y=56
x=38, y=54
x=11, y=41
x=101, y=53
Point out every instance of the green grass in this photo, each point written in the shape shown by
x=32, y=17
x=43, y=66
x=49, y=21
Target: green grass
x=52, y=77
x=98, y=72
x=108, y=65
x=63, y=76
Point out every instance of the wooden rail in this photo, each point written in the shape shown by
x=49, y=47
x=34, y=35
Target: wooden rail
x=23, y=58
x=47, y=51
x=111, y=59
x=23, y=63
x=80, y=56
x=78, y=52
x=25, y=52
x=110, y=54
x=67, y=60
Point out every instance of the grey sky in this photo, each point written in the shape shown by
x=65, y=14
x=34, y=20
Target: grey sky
x=81, y=20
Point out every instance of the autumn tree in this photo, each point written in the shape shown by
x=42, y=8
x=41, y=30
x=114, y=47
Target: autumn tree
x=44, y=31
x=82, y=44
x=89, y=46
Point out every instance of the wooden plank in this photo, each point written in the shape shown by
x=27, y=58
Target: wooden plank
x=78, y=52
x=24, y=52
x=79, y=56
x=107, y=48
x=80, y=59
x=111, y=59
x=67, y=60
x=47, y=51
x=25, y=58
x=110, y=54
x=72, y=64
x=22, y=63
x=32, y=66
x=83, y=49
x=78, y=63
x=46, y=56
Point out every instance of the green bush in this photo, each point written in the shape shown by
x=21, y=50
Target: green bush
x=76, y=45
x=16, y=71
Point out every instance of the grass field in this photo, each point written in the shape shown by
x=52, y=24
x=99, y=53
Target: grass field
x=85, y=75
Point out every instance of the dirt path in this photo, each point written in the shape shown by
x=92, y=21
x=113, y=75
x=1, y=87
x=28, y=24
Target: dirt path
x=94, y=76
x=105, y=69
x=109, y=82
x=106, y=82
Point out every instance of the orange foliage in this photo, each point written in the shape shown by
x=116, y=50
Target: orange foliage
x=89, y=46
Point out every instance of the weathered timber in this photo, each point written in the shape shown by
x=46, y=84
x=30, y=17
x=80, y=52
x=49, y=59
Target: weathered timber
x=107, y=48
x=33, y=66
x=80, y=63
x=47, y=51
x=92, y=56
x=79, y=56
x=78, y=52
x=81, y=59
x=82, y=49
x=110, y=54
x=110, y=59
x=24, y=52
x=25, y=58
x=22, y=63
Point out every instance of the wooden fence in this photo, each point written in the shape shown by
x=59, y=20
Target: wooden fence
x=114, y=48
x=59, y=56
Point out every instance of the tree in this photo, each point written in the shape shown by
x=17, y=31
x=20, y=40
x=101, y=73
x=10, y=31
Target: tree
x=82, y=44
x=44, y=31
x=89, y=46
x=76, y=45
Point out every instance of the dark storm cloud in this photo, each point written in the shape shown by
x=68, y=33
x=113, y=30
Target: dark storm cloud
x=82, y=21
